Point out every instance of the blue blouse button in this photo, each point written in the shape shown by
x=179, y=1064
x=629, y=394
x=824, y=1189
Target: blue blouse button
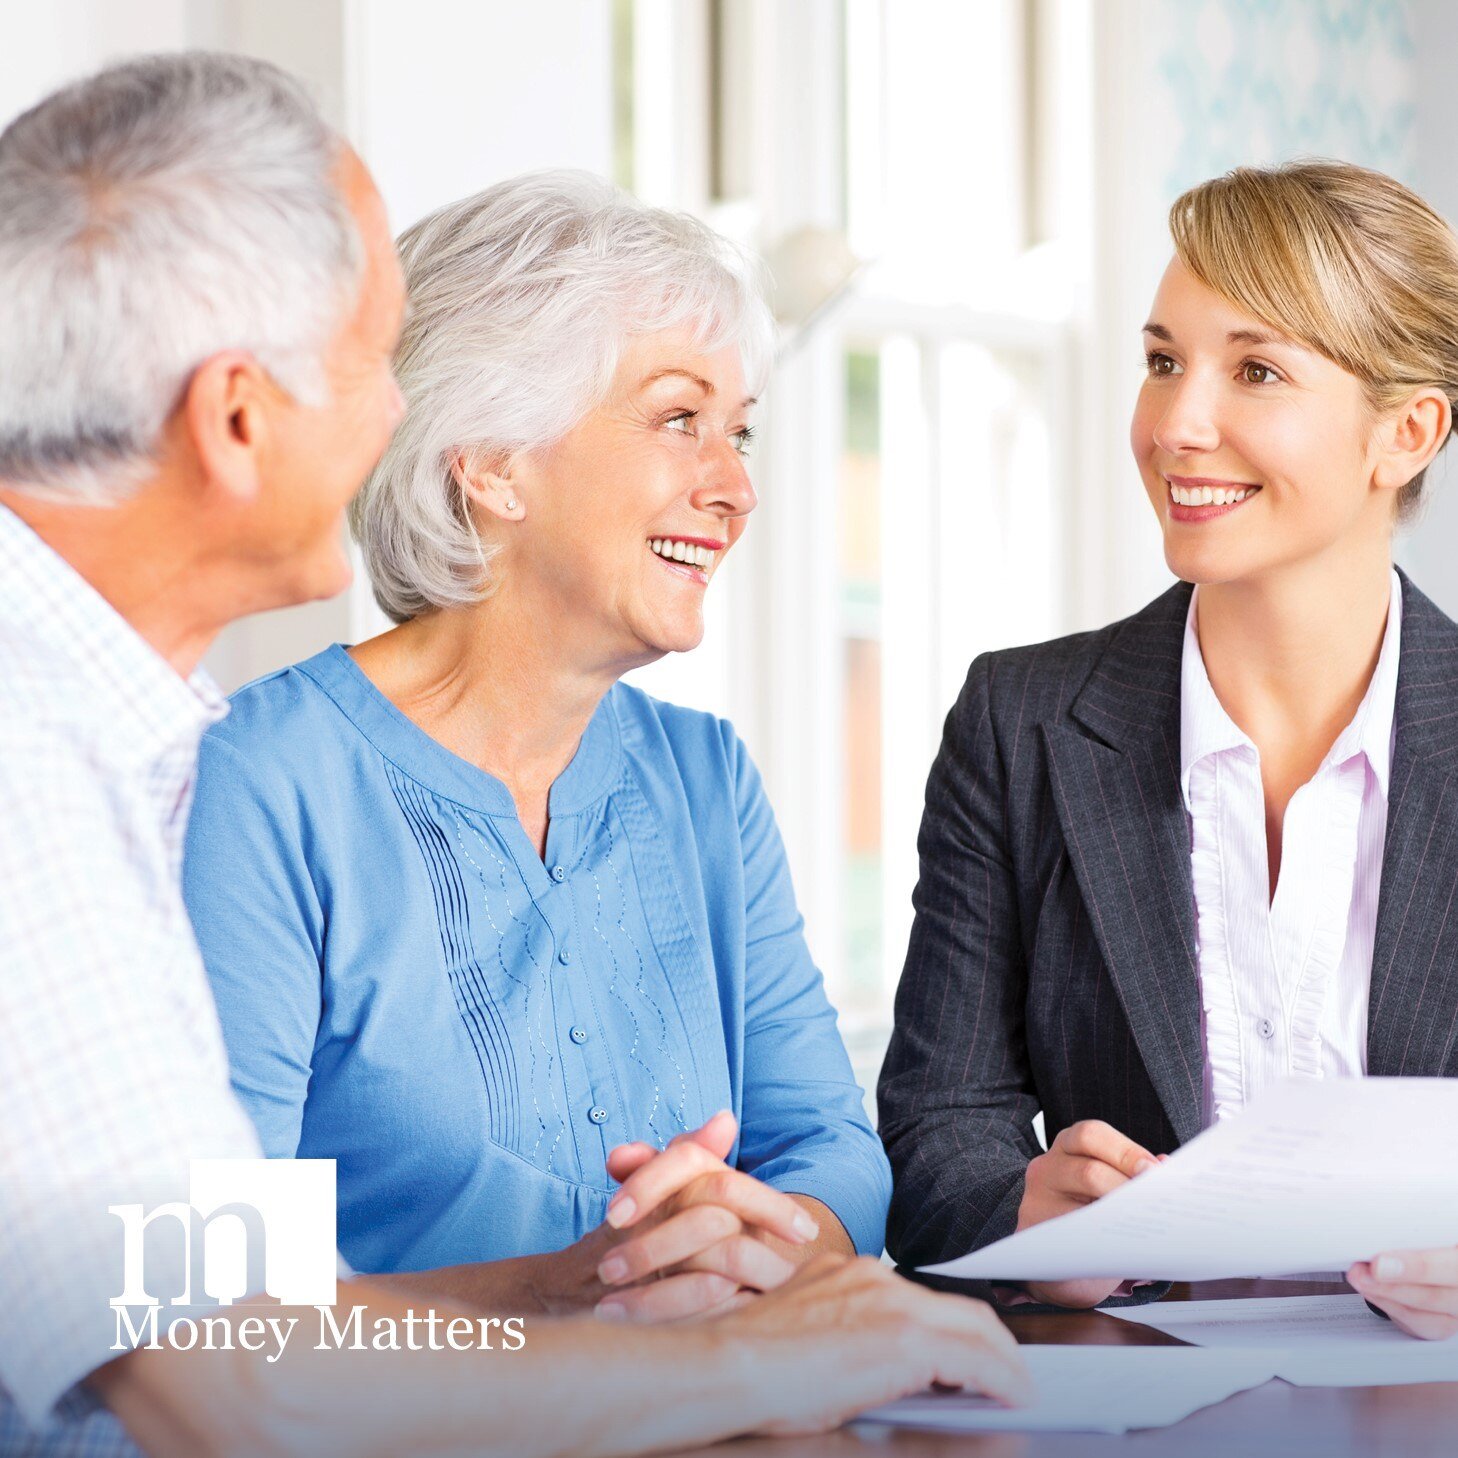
x=559, y=873
x=598, y=1116
x=578, y=1035
x=565, y=956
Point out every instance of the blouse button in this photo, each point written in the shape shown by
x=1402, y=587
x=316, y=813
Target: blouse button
x=565, y=956
x=578, y=1035
x=1266, y=1028
x=598, y=1116
x=559, y=873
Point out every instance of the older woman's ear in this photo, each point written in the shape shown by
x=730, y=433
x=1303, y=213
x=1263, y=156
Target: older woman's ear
x=486, y=482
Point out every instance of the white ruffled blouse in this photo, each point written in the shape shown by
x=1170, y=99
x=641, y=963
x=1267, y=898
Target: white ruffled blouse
x=1284, y=982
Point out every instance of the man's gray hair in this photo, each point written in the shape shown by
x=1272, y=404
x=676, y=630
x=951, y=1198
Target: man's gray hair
x=522, y=298
x=152, y=216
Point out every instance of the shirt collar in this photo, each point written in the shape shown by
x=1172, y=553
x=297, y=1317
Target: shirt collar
x=146, y=707
x=1206, y=729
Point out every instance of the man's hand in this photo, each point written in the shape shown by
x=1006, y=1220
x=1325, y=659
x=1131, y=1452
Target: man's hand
x=1085, y=1162
x=688, y=1231
x=1418, y=1289
x=844, y=1335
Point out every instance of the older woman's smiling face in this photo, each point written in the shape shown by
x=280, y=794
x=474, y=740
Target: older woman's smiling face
x=627, y=518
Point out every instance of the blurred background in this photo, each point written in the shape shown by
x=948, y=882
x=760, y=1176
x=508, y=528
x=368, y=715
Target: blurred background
x=962, y=203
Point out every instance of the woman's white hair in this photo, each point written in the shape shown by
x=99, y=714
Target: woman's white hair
x=151, y=216
x=522, y=298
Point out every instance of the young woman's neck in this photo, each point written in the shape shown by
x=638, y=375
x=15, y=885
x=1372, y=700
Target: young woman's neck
x=1291, y=651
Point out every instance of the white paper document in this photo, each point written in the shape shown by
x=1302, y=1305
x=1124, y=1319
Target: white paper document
x=1094, y=1390
x=1315, y=1341
x=1312, y=1175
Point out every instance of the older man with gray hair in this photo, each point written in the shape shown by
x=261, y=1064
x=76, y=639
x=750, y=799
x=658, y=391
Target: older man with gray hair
x=201, y=301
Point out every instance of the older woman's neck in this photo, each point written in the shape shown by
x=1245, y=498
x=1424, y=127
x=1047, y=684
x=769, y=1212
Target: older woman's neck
x=512, y=703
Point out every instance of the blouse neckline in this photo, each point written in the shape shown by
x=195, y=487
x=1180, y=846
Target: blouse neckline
x=405, y=744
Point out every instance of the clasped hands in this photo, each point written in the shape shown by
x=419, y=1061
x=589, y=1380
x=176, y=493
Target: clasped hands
x=687, y=1235
x=1417, y=1289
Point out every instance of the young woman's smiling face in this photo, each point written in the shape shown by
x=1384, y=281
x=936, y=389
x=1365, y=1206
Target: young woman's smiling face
x=1256, y=452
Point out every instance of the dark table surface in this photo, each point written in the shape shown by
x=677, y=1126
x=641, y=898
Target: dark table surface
x=1273, y=1421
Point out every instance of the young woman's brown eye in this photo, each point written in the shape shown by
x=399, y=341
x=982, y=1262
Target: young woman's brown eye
x=1258, y=374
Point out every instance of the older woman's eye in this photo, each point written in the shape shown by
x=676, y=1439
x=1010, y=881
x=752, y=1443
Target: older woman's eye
x=1160, y=366
x=681, y=421
x=1253, y=373
x=742, y=438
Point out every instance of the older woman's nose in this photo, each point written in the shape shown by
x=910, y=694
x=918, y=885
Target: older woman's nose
x=726, y=489
x=1188, y=425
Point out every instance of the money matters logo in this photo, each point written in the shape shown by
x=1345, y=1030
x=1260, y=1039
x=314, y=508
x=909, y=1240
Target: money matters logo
x=253, y=1228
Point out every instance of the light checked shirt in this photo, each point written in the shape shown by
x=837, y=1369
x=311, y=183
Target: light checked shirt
x=113, y=1074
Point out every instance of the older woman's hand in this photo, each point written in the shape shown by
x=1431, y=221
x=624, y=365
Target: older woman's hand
x=1418, y=1289
x=691, y=1231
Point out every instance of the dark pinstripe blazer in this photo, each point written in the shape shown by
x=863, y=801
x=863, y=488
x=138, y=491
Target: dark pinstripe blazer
x=1052, y=960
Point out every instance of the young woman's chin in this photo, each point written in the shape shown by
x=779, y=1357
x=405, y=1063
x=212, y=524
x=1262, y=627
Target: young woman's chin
x=1208, y=563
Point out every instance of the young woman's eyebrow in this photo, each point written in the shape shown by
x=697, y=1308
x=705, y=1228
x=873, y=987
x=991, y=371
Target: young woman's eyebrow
x=1258, y=337
x=1261, y=337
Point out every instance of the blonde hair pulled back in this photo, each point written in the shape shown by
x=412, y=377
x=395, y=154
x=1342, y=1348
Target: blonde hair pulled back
x=1345, y=260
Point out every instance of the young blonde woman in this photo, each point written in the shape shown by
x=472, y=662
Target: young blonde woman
x=1215, y=844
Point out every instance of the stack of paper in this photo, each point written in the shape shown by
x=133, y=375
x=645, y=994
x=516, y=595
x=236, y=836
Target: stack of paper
x=1313, y=1341
x=1312, y=1175
x=1094, y=1390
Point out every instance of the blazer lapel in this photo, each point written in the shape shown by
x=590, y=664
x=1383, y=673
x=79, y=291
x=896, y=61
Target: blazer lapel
x=1117, y=793
x=1412, y=1011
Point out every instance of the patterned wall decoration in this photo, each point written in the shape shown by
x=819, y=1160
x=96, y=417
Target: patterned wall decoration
x=1260, y=81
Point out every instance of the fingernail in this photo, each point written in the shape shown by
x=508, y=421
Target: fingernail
x=805, y=1227
x=612, y=1270
x=1143, y=1165
x=610, y=1311
x=621, y=1210
x=1387, y=1268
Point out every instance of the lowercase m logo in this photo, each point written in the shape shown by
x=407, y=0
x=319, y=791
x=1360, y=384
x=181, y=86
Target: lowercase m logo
x=250, y=1227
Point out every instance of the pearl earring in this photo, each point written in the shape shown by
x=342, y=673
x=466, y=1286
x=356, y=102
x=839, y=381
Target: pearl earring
x=511, y=505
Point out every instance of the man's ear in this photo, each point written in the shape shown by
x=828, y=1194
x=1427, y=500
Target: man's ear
x=1410, y=437
x=486, y=482
x=224, y=413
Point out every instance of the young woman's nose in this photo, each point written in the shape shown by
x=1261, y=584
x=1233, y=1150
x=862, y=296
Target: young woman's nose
x=1188, y=425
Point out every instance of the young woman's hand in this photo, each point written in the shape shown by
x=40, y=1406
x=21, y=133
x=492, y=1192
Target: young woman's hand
x=1418, y=1289
x=1085, y=1162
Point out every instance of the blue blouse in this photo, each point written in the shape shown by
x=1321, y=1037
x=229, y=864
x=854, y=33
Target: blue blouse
x=407, y=987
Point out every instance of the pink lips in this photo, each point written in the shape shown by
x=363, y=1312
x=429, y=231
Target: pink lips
x=694, y=574
x=1178, y=512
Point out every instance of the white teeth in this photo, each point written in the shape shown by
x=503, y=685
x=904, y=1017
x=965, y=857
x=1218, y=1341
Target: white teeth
x=1209, y=495
x=687, y=553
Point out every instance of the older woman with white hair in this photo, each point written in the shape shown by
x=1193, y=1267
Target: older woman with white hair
x=510, y=940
